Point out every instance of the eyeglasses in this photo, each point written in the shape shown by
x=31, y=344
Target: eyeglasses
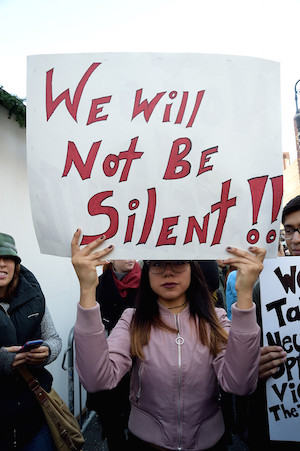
x=289, y=232
x=159, y=266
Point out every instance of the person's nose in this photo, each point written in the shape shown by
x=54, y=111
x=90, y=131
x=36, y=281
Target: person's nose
x=296, y=237
x=2, y=262
x=168, y=271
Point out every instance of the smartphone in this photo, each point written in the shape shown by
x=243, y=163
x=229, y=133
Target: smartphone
x=30, y=345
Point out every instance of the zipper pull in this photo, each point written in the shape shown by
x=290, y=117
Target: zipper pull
x=179, y=340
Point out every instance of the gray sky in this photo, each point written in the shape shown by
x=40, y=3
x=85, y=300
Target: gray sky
x=260, y=28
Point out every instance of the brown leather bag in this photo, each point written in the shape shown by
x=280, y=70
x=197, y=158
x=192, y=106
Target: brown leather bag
x=63, y=425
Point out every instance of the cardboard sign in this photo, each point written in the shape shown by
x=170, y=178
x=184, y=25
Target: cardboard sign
x=168, y=155
x=280, y=294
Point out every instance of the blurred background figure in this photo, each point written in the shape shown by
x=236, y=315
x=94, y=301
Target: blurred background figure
x=223, y=273
x=115, y=292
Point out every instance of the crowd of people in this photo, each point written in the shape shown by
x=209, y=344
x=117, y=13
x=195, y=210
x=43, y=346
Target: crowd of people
x=170, y=352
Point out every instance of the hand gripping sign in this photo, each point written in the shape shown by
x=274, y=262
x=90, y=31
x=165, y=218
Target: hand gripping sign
x=168, y=155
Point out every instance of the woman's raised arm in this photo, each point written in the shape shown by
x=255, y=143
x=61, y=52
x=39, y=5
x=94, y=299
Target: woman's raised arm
x=85, y=262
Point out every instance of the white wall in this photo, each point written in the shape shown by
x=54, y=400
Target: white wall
x=55, y=274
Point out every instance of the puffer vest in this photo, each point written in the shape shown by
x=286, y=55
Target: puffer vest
x=20, y=414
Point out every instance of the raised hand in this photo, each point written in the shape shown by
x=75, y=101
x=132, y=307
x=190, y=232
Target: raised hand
x=85, y=262
x=249, y=265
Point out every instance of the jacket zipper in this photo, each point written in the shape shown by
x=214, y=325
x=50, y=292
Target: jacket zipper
x=179, y=341
x=138, y=395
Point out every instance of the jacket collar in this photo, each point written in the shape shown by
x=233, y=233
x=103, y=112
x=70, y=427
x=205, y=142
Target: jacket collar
x=27, y=288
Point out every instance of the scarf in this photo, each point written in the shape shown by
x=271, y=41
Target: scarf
x=130, y=280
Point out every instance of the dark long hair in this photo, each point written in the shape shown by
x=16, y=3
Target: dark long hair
x=12, y=286
x=201, y=306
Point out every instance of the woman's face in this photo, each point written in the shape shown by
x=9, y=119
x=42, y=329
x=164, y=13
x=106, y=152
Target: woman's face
x=123, y=265
x=171, y=286
x=7, y=270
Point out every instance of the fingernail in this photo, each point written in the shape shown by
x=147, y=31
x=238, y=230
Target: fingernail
x=109, y=247
x=101, y=237
x=229, y=247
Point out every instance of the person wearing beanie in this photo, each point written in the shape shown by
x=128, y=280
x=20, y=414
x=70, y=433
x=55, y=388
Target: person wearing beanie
x=23, y=317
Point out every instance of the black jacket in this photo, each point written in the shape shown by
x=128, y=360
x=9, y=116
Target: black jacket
x=112, y=304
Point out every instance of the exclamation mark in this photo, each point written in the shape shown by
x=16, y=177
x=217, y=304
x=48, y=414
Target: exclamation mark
x=257, y=188
x=277, y=188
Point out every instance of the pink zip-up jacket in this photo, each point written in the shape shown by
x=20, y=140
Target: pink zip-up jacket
x=174, y=391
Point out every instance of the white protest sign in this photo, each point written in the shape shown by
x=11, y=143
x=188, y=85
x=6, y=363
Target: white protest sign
x=168, y=155
x=280, y=293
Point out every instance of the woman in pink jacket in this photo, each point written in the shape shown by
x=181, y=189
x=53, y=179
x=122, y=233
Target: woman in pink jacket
x=179, y=348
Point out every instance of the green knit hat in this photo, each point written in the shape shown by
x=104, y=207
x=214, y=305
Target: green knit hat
x=8, y=247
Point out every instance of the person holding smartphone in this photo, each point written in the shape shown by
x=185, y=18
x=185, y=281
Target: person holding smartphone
x=23, y=317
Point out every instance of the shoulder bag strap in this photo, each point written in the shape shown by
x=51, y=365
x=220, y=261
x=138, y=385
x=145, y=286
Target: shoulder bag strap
x=42, y=397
